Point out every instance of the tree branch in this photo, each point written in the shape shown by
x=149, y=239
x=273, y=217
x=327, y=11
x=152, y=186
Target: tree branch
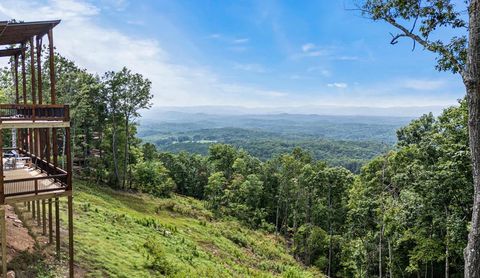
x=428, y=45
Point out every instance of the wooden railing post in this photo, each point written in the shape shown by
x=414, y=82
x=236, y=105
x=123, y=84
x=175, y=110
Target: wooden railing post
x=52, y=66
x=2, y=189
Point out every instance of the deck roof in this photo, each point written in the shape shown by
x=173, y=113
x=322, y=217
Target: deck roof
x=20, y=32
x=10, y=52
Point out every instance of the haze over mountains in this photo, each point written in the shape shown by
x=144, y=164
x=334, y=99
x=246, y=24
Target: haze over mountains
x=394, y=111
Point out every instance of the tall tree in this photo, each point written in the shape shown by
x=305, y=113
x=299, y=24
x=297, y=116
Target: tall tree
x=126, y=94
x=417, y=20
x=134, y=95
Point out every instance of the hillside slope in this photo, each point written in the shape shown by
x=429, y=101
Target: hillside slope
x=119, y=234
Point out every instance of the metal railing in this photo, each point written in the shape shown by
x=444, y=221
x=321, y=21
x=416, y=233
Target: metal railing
x=34, y=112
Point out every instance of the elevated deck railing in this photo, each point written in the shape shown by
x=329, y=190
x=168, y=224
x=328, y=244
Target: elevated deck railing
x=34, y=185
x=44, y=166
x=34, y=112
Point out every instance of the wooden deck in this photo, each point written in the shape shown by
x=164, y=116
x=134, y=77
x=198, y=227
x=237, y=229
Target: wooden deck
x=19, y=180
x=33, y=124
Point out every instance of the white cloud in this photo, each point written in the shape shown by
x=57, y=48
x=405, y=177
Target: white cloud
x=80, y=38
x=423, y=84
x=322, y=71
x=340, y=85
x=307, y=47
x=215, y=36
x=118, y=5
x=250, y=67
x=312, y=50
x=100, y=49
x=347, y=58
x=240, y=41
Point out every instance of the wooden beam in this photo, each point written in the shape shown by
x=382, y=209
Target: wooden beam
x=24, y=75
x=69, y=158
x=32, y=69
x=29, y=124
x=33, y=210
x=39, y=221
x=57, y=228
x=55, y=147
x=53, y=97
x=2, y=177
x=49, y=144
x=70, y=236
x=32, y=198
x=39, y=69
x=30, y=137
x=44, y=218
x=4, y=241
x=50, y=222
x=15, y=62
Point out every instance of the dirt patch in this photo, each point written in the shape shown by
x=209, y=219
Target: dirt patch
x=18, y=238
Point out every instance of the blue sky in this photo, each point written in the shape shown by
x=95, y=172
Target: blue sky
x=246, y=53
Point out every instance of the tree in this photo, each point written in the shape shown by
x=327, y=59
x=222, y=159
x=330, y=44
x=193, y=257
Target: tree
x=460, y=55
x=127, y=93
x=149, y=152
x=153, y=178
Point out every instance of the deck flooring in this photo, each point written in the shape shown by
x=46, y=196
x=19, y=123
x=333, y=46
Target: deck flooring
x=27, y=186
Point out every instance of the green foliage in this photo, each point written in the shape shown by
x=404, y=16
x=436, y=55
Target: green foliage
x=137, y=235
x=153, y=178
x=416, y=200
x=265, y=145
x=156, y=257
x=419, y=20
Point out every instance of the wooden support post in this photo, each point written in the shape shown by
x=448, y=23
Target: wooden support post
x=37, y=141
x=70, y=235
x=2, y=213
x=39, y=69
x=44, y=218
x=4, y=241
x=17, y=98
x=33, y=210
x=32, y=69
x=49, y=143
x=55, y=147
x=39, y=220
x=69, y=159
x=24, y=76
x=50, y=222
x=52, y=67
x=2, y=189
x=28, y=205
x=57, y=228
x=30, y=141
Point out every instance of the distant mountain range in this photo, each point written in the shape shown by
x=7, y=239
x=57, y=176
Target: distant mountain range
x=330, y=110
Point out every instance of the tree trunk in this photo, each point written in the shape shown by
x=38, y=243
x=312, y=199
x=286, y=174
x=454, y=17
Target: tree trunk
x=390, y=258
x=114, y=150
x=380, y=255
x=125, y=161
x=447, y=243
x=277, y=215
x=330, y=230
x=472, y=82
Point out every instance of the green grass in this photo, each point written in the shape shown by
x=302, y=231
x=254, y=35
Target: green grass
x=120, y=234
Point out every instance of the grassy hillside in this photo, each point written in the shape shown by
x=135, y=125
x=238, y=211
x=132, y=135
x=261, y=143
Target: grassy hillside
x=133, y=235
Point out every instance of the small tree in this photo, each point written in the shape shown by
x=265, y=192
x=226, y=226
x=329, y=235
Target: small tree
x=153, y=178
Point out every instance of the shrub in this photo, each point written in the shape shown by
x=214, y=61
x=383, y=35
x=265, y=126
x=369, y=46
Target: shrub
x=156, y=257
x=153, y=178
